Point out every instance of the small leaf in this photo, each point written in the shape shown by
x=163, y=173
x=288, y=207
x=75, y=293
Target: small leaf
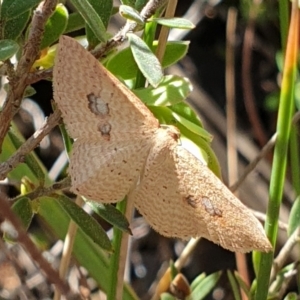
x=29, y=91
x=8, y=48
x=110, y=214
x=89, y=14
x=193, y=142
x=173, y=270
x=242, y=284
x=46, y=59
x=174, y=52
x=205, y=286
x=14, y=27
x=75, y=22
x=87, y=223
x=234, y=286
x=294, y=219
x=146, y=60
x=174, y=22
x=55, y=26
x=103, y=9
x=13, y=8
x=171, y=90
x=291, y=296
x=197, y=280
x=188, y=118
x=22, y=208
x=130, y=13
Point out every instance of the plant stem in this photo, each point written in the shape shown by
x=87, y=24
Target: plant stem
x=280, y=152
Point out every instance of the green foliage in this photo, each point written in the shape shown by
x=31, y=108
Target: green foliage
x=88, y=224
x=165, y=97
x=110, y=214
x=7, y=49
x=10, y=9
x=294, y=219
x=90, y=11
x=55, y=26
x=174, y=23
x=13, y=28
x=175, y=51
x=145, y=59
x=130, y=13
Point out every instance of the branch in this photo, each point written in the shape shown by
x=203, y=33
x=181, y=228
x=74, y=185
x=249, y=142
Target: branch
x=47, y=191
x=148, y=11
x=29, y=145
x=35, y=254
x=17, y=83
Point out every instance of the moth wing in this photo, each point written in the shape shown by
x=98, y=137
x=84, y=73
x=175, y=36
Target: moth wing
x=92, y=101
x=105, y=172
x=180, y=197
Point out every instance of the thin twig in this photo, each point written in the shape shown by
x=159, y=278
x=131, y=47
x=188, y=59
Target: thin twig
x=39, y=75
x=22, y=237
x=232, y=154
x=17, y=83
x=130, y=26
x=284, y=253
x=270, y=144
x=164, y=32
x=249, y=98
x=29, y=145
x=262, y=217
x=123, y=251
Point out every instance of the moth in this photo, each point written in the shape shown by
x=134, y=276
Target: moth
x=120, y=149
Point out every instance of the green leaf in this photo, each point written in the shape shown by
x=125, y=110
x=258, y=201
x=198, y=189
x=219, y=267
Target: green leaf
x=291, y=296
x=22, y=208
x=104, y=11
x=146, y=60
x=242, y=284
x=75, y=22
x=173, y=270
x=110, y=214
x=7, y=49
x=86, y=222
x=234, y=286
x=188, y=118
x=29, y=91
x=294, y=219
x=13, y=8
x=195, y=144
x=14, y=27
x=174, y=22
x=167, y=296
x=130, y=13
x=30, y=159
x=128, y=2
x=55, y=26
x=122, y=64
x=197, y=280
x=87, y=11
x=205, y=286
x=139, y=4
x=171, y=90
